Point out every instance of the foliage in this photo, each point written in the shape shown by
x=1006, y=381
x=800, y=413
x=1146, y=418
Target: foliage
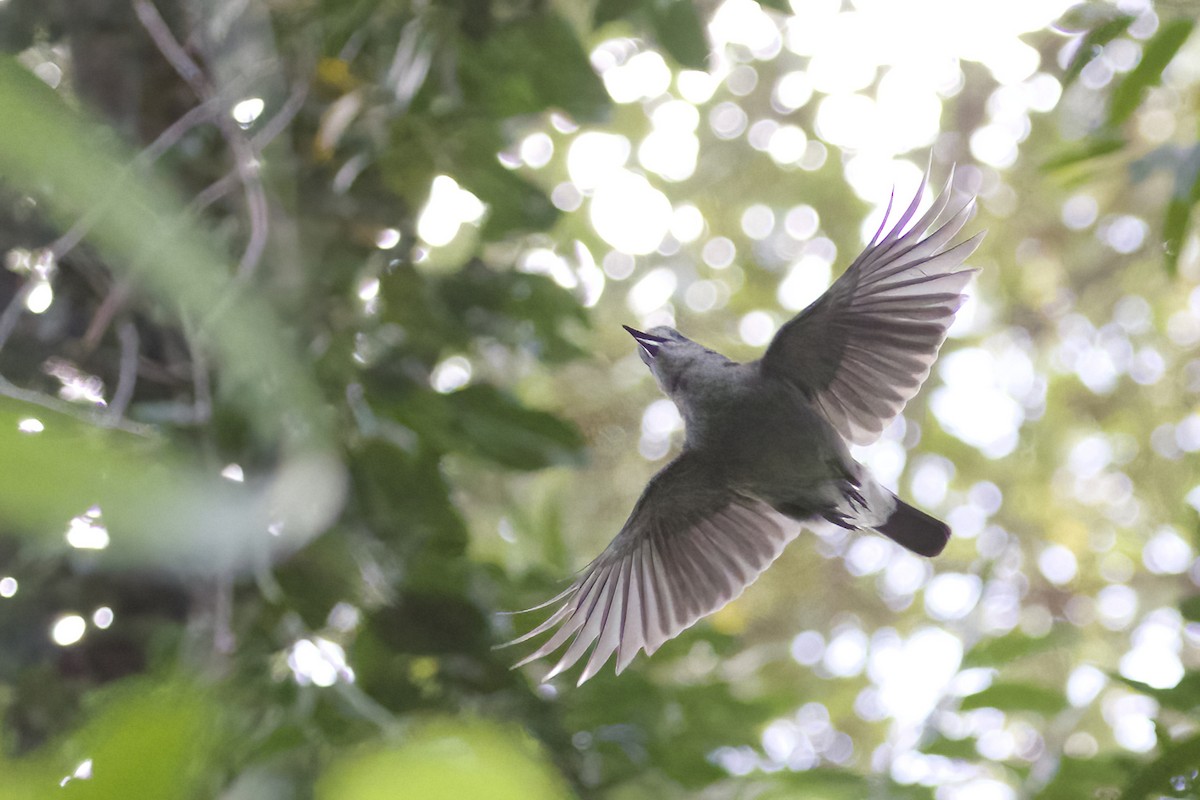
x=277, y=448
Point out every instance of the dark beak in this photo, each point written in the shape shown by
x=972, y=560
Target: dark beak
x=649, y=342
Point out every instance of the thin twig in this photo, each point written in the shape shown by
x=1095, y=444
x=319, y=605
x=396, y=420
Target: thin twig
x=127, y=375
x=275, y=126
x=170, y=48
x=98, y=417
x=12, y=312
x=201, y=388
x=283, y=117
x=117, y=294
x=244, y=157
x=154, y=151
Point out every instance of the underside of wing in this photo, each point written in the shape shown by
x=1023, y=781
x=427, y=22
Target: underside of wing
x=862, y=350
x=689, y=547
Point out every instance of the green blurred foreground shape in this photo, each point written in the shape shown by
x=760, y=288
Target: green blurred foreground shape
x=143, y=739
x=162, y=508
x=445, y=759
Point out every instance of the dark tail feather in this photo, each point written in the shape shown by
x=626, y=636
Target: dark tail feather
x=915, y=530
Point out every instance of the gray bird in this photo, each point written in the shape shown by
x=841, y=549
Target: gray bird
x=766, y=445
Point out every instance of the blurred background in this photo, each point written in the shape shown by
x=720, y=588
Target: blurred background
x=311, y=363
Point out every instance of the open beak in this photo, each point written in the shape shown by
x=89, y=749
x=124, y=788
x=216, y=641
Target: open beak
x=649, y=342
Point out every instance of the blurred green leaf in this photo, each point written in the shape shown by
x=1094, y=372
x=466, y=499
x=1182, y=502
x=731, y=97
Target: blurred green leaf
x=830, y=783
x=49, y=150
x=1092, y=147
x=533, y=64
x=820, y=784
x=405, y=498
x=607, y=11
x=158, y=509
x=1086, y=778
x=1183, y=696
x=1190, y=608
x=1173, y=772
x=678, y=28
x=517, y=308
x=1093, y=44
x=1013, y=696
x=672, y=726
x=144, y=739
x=963, y=749
x=1179, y=209
x=497, y=427
x=514, y=204
x=1156, y=55
x=482, y=421
x=464, y=146
x=782, y=6
x=445, y=759
x=1010, y=647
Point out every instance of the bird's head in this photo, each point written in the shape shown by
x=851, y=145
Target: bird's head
x=669, y=354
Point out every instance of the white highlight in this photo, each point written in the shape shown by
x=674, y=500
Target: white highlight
x=319, y=662
x=68, y=629
x=87, y=531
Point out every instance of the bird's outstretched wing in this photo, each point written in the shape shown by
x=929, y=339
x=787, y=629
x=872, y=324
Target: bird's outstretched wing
x=863, y=349
x=690, y=546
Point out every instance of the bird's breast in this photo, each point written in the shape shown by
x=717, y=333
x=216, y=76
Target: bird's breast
x=754, y=420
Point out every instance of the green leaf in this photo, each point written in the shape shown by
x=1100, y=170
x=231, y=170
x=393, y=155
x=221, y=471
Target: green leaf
x=778, y=5
x=1008, y=648
x=962, y=749
x=1093, y=44
x=422, y=515
x=444, y=759
x=827, y=783
x=514, y=204
x=1180, y=207
x=1183, y=696
x=1156, y=55
x=531, y=65
x=485, y=422
x=1013, y=696
x=1100, y=144
x=821, y=784
x=678, y=29
x=1086, y=778
x=79, y=171
x=497, y=427
x=464, y=146
x=157, y=507
x=1173, y=771
x=1190, y=608
x=144, y=738
x=612, y=10
x=517, y=308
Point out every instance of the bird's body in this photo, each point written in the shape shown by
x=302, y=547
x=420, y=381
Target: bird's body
x=785, y=452
x=766, y=445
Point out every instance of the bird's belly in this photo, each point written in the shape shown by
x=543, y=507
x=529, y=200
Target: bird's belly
x=782, y=450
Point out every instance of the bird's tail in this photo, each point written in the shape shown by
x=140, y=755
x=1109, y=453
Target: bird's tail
x=914, y=529
x=866, y=504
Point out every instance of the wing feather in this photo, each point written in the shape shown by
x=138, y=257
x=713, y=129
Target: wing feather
x=862, y=350
x=690, y=546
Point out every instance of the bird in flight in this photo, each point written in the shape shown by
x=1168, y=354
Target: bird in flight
x=766, y=445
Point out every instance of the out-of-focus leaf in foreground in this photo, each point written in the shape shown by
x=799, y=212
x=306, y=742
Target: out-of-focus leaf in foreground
x=158, y=507
x=445, y=760
x=153, y=506
x=143, y=739
x=141, y=229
